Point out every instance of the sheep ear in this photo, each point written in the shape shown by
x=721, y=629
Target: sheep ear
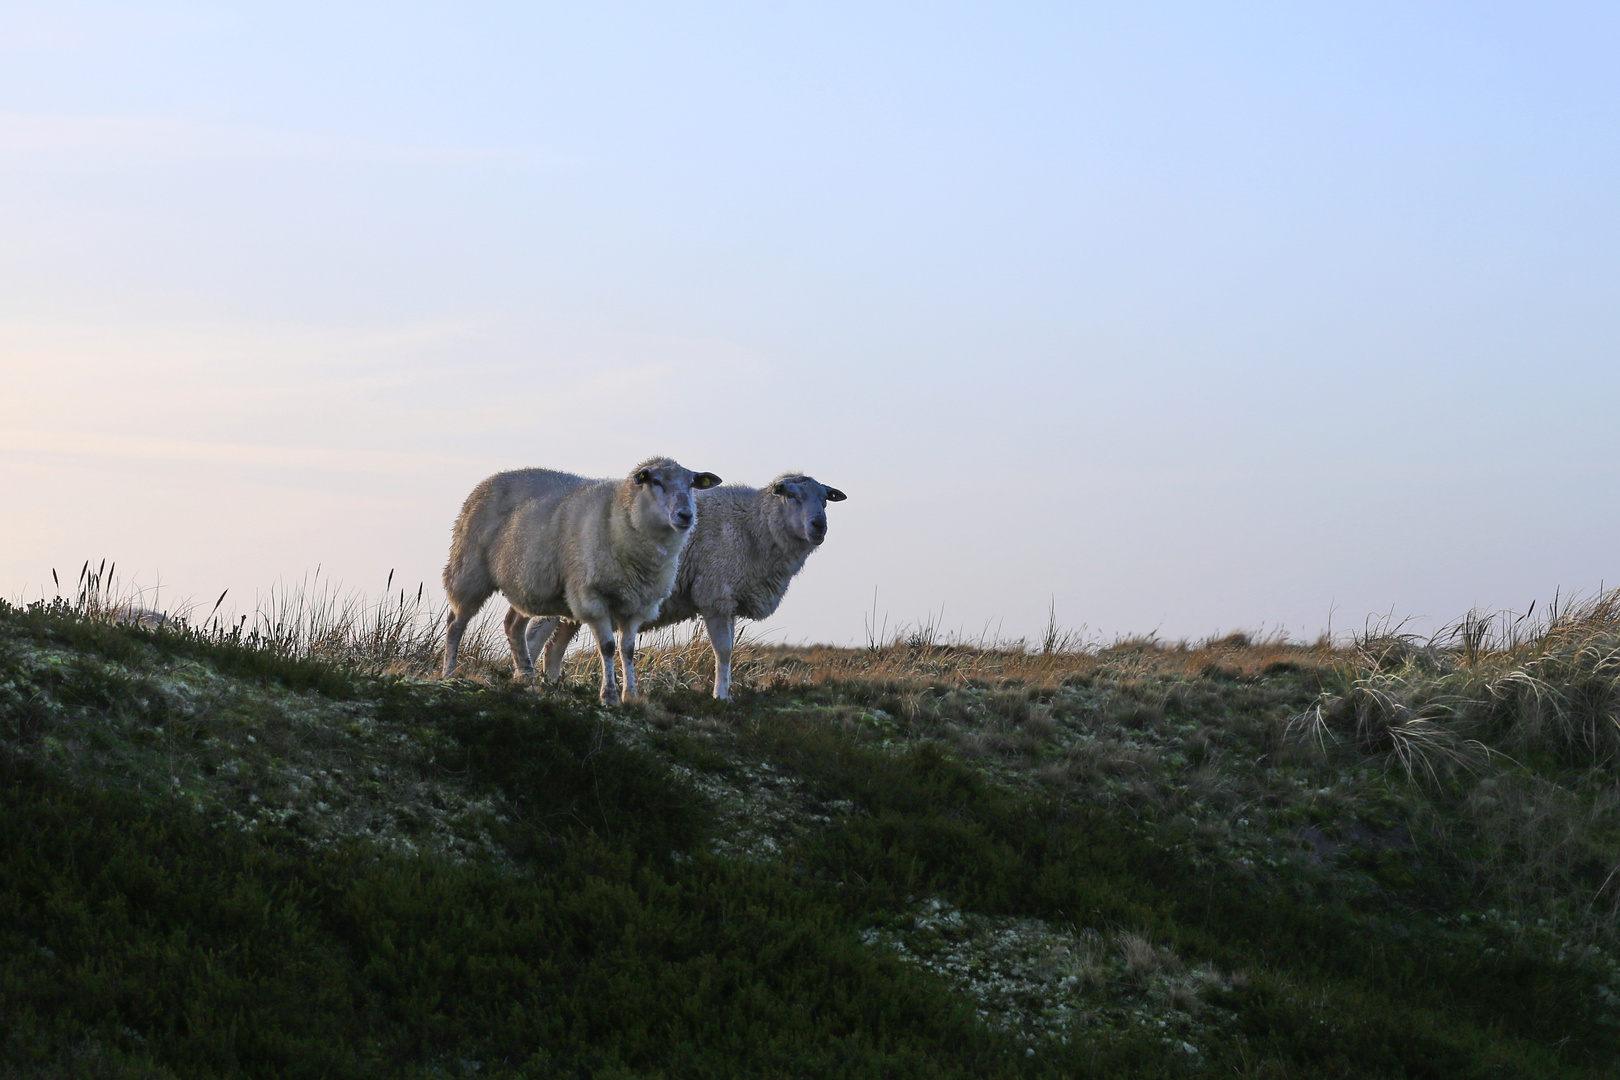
x=779, y=489
x=644, y=476
x=834, y=495
x=703, y=481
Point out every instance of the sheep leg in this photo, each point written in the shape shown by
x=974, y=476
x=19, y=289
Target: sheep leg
x=456, y=625
x=722, y=635
x=627, y=649
x=535, y=632
x=517, y=625
x=467, y=585
x=556, y=647
x=603, y=628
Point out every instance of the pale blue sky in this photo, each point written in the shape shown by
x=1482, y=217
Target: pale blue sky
x=1180, y=317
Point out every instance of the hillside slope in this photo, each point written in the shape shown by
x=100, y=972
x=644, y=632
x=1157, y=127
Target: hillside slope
x=219, y=859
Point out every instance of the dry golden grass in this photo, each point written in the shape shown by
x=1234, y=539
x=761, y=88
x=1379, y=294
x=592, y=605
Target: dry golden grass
x=907, y=665
x=403, y=634
x=679, y=658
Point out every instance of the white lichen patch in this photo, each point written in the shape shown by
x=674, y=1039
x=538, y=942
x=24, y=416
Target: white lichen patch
x=760, y=812
x=1043, y=983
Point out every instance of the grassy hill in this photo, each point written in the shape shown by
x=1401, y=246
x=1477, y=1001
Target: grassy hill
x=266, y=854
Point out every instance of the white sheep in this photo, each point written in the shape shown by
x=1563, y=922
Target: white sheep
x=745, y=549
x=599, y=552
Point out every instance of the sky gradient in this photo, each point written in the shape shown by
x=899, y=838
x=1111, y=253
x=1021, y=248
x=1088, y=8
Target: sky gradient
x=1173, y=318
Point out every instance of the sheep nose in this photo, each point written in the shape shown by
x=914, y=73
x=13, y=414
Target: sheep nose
x=683, y=518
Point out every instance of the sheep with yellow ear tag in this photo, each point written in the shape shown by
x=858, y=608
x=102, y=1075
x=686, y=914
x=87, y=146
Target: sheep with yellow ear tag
x=599, y=552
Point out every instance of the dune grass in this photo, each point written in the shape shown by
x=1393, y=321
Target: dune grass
x=1512, y=724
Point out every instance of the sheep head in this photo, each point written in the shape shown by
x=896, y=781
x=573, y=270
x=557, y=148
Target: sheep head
x=802, y=502
x=661, y=494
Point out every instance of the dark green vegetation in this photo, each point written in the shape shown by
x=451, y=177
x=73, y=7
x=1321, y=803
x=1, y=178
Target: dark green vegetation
x=220, y=859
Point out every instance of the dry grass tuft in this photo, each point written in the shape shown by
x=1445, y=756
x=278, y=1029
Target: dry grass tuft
x=1142, y=958
x=399, y=634
x=1089, y=962
x=1487, y=685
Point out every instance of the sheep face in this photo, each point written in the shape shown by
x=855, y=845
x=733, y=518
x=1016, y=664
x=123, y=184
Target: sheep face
x=803, y=506
x=663, y=495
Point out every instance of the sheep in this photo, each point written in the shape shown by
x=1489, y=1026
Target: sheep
x=745, y=549
x=599, y=552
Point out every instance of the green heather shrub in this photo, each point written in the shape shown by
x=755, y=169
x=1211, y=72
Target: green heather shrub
x=208, y=953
